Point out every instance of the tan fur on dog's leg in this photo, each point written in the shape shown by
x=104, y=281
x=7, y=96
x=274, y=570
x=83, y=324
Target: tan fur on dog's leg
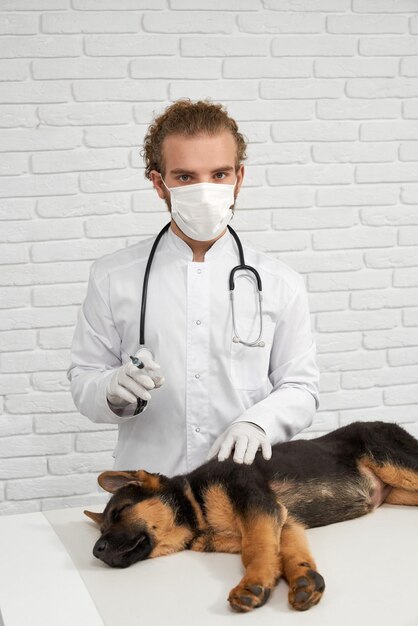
x=260, y=534
x=393, y=475
x=305, y=584
x=402, y=496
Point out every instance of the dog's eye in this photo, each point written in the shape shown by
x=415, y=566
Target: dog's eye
x=116, y=512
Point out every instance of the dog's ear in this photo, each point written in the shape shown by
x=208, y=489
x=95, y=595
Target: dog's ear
x=96, y=517
x=156, y=482
x=112, y=481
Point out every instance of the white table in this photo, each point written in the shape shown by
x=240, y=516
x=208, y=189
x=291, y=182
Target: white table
x=49, y=577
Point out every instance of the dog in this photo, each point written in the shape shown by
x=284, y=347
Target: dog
x=260, y=510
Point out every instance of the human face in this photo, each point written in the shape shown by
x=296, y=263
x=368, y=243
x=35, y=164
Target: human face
x=198, y=159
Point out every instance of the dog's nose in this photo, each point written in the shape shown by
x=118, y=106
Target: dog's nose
x=100, y=547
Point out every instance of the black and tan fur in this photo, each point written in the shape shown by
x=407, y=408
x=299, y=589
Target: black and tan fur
x=260, y=510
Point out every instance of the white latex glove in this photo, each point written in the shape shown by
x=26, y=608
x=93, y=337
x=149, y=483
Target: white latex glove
x=129, y=383
x=247, y=438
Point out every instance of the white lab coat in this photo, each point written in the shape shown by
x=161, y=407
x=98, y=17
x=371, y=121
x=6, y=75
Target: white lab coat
x=210, y=381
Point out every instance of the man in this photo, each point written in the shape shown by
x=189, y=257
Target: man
x=218, y=396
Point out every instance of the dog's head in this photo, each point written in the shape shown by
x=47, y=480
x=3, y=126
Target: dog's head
x=148, y=515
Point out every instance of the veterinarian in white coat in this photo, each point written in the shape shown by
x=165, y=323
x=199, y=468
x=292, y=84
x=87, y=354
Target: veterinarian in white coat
x=209, y=394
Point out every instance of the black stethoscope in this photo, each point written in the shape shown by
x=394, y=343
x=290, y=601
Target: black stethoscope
x=236, y=338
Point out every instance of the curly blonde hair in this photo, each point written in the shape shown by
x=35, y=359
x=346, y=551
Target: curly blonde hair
x=185, y=117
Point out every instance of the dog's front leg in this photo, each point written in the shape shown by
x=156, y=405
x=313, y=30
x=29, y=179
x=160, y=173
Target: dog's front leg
x=306, y=585
x=260, y=536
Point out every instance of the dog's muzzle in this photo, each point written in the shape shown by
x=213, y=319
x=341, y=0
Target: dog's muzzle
x=120, y=552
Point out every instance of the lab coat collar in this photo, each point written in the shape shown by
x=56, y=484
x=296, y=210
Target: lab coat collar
x=221, y=245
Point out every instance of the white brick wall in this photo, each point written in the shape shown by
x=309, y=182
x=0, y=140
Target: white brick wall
x=326, y=92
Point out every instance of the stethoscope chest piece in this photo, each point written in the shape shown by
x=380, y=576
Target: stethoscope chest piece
x=259, y=344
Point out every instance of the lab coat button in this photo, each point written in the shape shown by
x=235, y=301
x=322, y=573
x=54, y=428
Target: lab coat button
x=197, y=375
x=199, y=271
x=198, y=322
x=197, y=430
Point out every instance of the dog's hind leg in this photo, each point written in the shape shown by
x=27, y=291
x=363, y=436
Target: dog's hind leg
x=306, y=585
x=391, y=453
x=393, y=474
x=260, y=536
x=402, y=496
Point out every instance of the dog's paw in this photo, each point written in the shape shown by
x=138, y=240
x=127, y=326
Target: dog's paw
x=248, y=596
x=306, y=590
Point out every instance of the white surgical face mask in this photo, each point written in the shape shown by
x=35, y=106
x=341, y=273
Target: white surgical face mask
x=201, y=210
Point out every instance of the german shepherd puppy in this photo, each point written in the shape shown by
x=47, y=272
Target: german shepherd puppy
x=260, y=510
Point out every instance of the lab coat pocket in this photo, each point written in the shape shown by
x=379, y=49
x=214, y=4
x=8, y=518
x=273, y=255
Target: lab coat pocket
x=250, y=364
